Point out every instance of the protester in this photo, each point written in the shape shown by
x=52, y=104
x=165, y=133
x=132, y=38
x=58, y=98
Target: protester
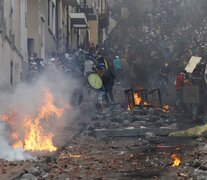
x=164, y=73
x=180, y=80
x=92, y=50
x=163, y=77
x=108, y=83
x=89, y=67
x=117, y=66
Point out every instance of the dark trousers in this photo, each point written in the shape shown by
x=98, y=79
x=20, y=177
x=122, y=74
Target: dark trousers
x=179, y=102
x=109, y=97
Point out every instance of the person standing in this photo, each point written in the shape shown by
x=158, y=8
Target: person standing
x=180, y=81
x=117, y=66
x=108, y=83
x=92, y=50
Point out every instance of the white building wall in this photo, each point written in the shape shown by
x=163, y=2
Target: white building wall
x=12, y=42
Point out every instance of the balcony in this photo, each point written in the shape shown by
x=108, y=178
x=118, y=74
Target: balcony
x=89, y=12
x=78, y=20
x=71, y=2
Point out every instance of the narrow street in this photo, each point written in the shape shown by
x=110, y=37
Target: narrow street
x=103, y=90
x=135, y=146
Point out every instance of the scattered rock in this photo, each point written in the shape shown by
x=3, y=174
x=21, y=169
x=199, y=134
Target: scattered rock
x=149, y=135
x=196, y=163
x=143, y=112
x=200, y=139
x=97, y=117
x=142, y=142
x=137, y=124
x=105, y=124
x=200, y=175
x=45, y=175
x=97, y=124
x=118, y=119
x=126, y=115
x=3, y=170
x=28, y=176
x=173, y=126
x=115, y=125
x=126, y=123
x=205, y=147
x=33, y=170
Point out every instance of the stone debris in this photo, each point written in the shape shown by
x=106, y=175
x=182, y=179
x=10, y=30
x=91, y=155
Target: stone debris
x=28, y=176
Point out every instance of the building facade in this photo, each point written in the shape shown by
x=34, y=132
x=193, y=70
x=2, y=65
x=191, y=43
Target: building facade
x=47, y=27
x=13, y=41
x=102, y=9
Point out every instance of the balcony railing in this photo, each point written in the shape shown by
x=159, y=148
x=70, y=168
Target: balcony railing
x=89, y=12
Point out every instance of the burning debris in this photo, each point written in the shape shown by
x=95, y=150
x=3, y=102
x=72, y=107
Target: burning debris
x=176, y=160
x=34, y=136
x=166, y=108
x=142, y=98
x=32, y=123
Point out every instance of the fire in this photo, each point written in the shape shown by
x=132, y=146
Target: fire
x=176, y=160
x=145, y=103
x=166, y=108
x=137, y=99
x=36, y=136
x=128, y=108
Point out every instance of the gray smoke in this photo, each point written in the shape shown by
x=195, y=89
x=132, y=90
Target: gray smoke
x=27, y=99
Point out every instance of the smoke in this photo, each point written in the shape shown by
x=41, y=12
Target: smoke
x=26, y=99
x=7, y=152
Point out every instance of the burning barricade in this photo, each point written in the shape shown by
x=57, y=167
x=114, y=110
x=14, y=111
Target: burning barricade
x=143, y=98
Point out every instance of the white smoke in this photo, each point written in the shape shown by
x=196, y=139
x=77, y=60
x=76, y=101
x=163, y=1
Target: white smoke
x=7, y=152
x=26, y=99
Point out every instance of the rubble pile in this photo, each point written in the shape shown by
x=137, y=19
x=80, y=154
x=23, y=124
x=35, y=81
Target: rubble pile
x=118, y=122
x=119, y=151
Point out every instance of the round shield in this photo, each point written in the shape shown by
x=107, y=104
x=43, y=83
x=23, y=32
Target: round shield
x=95, y=81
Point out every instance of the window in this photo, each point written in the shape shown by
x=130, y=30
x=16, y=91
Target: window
x=52, y=15
x=49, y=12
x=53, y=18
x=30, y=46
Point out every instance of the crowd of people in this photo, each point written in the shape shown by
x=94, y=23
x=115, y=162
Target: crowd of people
x=157, y=44
x=171, y=32
x=79, y=65
x=152, y=45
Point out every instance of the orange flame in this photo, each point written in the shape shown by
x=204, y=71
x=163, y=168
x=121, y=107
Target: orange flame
x=128, y=108
x=36, y=137
x=176, y=160
x=166, y=108
x=137, y=99
x=145, y=103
